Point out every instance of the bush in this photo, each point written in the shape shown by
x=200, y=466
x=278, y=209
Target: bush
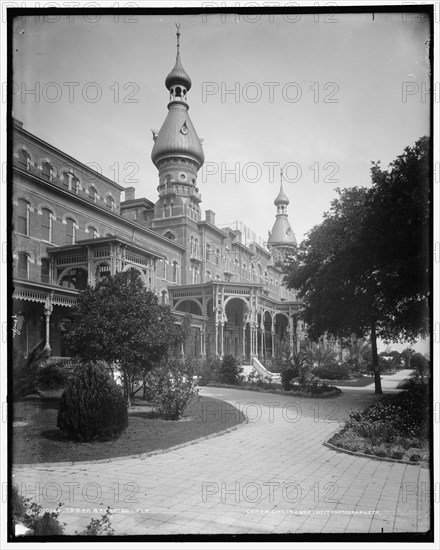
x=332, y=371
x=92, y=406
x=230, y=372
x=287, y=375
x=170, y=386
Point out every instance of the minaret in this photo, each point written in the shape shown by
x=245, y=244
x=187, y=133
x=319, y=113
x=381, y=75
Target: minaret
x=282, y=237
x=177, y=151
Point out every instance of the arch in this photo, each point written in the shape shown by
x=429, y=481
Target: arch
x=23, y=265
x=23, y=218
x=243, y=299
x=72, y=217
x=48, y=206
x=93, y=193
x=281, y=313
x=192, y=300
x=89, y=227
x=127, y=267
x=68, y=270
x=170, y=235
x=23, y=147
x=24, y=157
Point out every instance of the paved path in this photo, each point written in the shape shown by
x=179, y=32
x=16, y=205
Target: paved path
x=272, y=475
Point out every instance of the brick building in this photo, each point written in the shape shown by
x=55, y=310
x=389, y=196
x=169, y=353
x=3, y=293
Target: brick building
x=70, y=229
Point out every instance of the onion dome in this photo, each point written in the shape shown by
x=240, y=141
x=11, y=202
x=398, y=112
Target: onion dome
x=177, y=137
x=282, y=234
x=178, y=76
x=282, y=198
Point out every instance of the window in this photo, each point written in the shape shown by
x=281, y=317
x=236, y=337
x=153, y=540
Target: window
x=164, y=297
x=218, y=278
x=110, y=203
x=196, y=248
x=24, y=158
x=93, y=232
x=45, y=270
x=70, y=231
x=75, y=278
x=244, y=270
x=46, y=225
x=93, y=194
x=75, y=185
x=23, y=265
x=47, y=171
x=237, y=266
x=217, y=256
x=175, y=267
x=23, y=217
x=192, y=247
x=103, y=270
x=208, y=276
x=195, y=274
x=164, y=268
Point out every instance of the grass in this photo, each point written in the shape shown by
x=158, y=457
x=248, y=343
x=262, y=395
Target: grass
x=36, y=437
x=396, y=427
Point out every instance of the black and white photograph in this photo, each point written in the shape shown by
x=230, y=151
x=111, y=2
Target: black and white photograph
x=220, y=248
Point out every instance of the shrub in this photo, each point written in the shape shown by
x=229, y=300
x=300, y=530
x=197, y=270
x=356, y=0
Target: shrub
x=332, y=371
x=287, y=375
x=92, y=406
x=99, y=527
x=47, y=525
x=170, y=386
x=230, y=372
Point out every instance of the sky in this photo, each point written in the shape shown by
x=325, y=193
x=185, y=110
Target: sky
x=319, y=95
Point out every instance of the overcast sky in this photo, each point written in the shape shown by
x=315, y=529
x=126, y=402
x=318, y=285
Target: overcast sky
x=335, y=102
x=321, y=95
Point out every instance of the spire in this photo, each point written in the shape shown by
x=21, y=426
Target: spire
x=178, y=137
x=282, y=234
x=178, y=76
x=282, y=199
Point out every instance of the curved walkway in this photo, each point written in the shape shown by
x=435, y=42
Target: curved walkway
x=272, y=475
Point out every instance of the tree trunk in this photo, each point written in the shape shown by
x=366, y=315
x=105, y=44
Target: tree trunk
x=377, y=383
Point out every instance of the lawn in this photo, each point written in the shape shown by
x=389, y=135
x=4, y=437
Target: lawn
x=396, y=426
x=36, y=437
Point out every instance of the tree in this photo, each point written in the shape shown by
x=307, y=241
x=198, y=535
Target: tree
x=121, y=321
x=354, y=270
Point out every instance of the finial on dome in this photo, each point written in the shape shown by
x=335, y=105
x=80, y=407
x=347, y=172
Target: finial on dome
x=282, y=198
x=178, y=38
x=178, y=75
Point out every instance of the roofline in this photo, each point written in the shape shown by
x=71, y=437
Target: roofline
x=126, y=221
x=87, y=168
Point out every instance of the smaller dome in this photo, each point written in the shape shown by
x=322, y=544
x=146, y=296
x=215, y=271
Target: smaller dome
x=178, y=76
x=282, y=198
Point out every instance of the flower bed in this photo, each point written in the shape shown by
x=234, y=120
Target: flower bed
x=395, y=427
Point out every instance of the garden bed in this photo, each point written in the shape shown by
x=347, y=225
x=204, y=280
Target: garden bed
x=395, y=427
x=36, y=438
x=277, y=389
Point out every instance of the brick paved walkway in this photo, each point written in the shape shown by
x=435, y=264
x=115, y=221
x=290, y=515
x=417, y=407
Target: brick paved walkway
x=271, y=475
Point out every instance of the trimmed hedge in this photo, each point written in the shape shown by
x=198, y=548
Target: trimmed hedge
x=92, y=406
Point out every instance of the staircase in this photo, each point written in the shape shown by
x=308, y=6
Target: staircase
x=261, y=370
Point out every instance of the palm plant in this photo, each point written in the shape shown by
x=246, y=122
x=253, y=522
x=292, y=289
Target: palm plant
x=320, y=355
x=360, y=354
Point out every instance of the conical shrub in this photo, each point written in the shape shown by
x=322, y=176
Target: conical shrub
x=92, y=406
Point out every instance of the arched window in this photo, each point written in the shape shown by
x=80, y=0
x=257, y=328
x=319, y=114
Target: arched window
x=237, y=266
x=75, y=185
x=24, y=158
x=93, y=194
x=244, y=270
x=196, y=248
x=208, y=276
x=252, y=273
x=47, y=171
x=23, y=265
x=266, y=278
x=217, y=256
x=164, y=268
x=110, y=203
x=192, y=247
x=170, y=235
x=218, y=278
x=259, y=273
x=175, y=268
x=45, y=270
x=93, y=232
x=70, y=180
x=75, y=278
x=70, y=231
x=195, y=274
x=23, y=217
x=164, y=297
x=46, y=225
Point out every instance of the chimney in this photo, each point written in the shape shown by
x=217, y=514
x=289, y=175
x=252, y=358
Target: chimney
x=129, y=193
x=210, y=216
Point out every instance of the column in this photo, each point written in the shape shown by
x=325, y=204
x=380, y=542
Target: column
x=273, y=340
x=216, y=339
x=48, y=308
x=291, y=334
x=222, y=339
x=243, y=342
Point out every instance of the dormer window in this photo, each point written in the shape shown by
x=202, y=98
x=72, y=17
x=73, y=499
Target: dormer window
x=24, y=158
x=93, y=194
x=47, y=171
x=111, y=203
